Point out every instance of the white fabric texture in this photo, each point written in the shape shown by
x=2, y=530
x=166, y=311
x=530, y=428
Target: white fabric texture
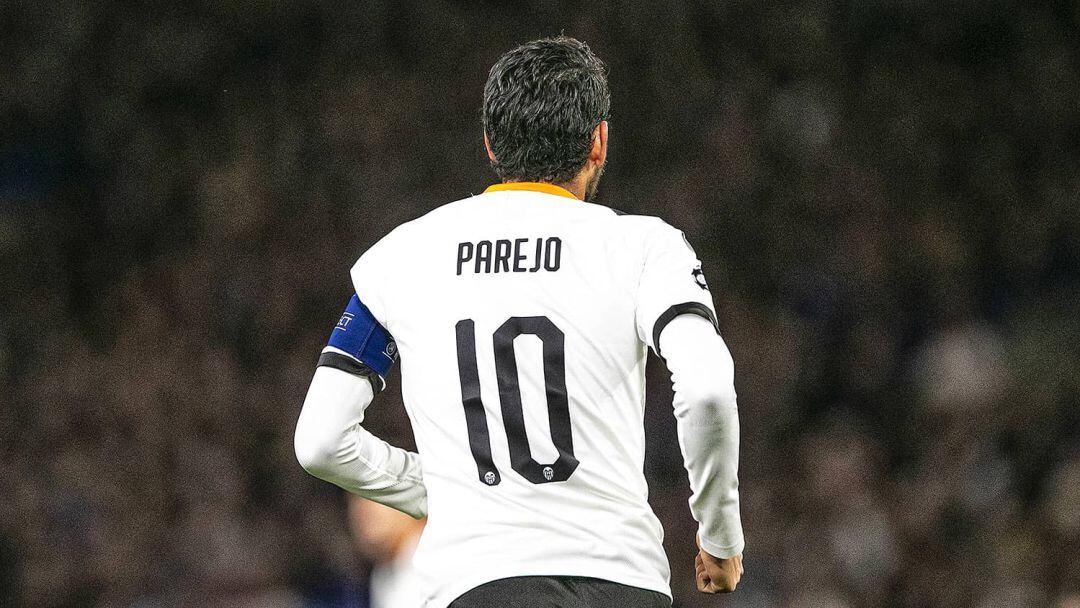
x=332, y=445
x=703, y=377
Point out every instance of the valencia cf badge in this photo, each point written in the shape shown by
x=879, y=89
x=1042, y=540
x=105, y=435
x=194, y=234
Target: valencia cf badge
x=699, y=278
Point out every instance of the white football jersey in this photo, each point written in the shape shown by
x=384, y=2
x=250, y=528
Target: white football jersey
x=522, y=317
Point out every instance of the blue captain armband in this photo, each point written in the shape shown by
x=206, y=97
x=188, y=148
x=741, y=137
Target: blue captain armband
x=361, y=346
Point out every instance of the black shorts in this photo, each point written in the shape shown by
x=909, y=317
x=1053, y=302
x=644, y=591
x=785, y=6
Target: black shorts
x=559, y=592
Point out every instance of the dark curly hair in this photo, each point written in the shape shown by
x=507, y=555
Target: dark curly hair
x=542, y=102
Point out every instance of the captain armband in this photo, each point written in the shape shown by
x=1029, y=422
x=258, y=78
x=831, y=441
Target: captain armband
x=361, y=346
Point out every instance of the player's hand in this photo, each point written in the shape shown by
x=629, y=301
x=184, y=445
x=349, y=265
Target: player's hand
x=715, y=575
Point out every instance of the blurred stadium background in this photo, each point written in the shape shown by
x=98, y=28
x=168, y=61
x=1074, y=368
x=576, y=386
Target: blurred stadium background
x=886, y=196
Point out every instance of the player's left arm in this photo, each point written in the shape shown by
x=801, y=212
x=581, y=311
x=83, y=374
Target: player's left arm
x=676, y=317
x=330, y=441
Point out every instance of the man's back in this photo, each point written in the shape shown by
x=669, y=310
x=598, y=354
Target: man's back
x=521, y=318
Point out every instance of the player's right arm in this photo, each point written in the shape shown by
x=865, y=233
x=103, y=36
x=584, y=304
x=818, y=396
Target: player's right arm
x=675, y=316
x=330, y=441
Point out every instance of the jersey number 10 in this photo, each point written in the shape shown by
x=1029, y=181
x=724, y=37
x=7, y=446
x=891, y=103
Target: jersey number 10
x=506, y=371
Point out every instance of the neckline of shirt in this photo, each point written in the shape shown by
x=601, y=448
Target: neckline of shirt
x=544, y=187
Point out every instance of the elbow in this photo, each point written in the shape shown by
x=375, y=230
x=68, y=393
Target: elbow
x=724, y=398
x=312, y=452
x=312, y=461
x=712, y=398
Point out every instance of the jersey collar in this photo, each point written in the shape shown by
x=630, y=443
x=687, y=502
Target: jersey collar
x=532, y=187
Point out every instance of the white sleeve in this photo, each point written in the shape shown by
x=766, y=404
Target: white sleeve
x=672, y=284
x=373, y=276
x=703, y=377
x=331, y=445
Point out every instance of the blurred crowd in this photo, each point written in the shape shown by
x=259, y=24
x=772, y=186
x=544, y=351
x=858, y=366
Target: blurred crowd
x=885, y=195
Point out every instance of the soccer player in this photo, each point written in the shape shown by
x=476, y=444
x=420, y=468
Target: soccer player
x=522, y=318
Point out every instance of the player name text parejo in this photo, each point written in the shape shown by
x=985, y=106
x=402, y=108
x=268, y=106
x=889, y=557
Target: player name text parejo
x=510, y=255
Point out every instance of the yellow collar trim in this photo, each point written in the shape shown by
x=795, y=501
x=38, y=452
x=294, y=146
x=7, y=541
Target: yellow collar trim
x=532, y=187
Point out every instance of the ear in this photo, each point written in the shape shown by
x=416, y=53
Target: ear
x=487, y=145
x=598, y=153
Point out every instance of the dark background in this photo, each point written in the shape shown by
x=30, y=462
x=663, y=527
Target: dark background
x=885, y=195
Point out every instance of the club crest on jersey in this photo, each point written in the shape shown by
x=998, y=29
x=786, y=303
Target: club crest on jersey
x=489, y=478
x=549, y=473
x=699, y=278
